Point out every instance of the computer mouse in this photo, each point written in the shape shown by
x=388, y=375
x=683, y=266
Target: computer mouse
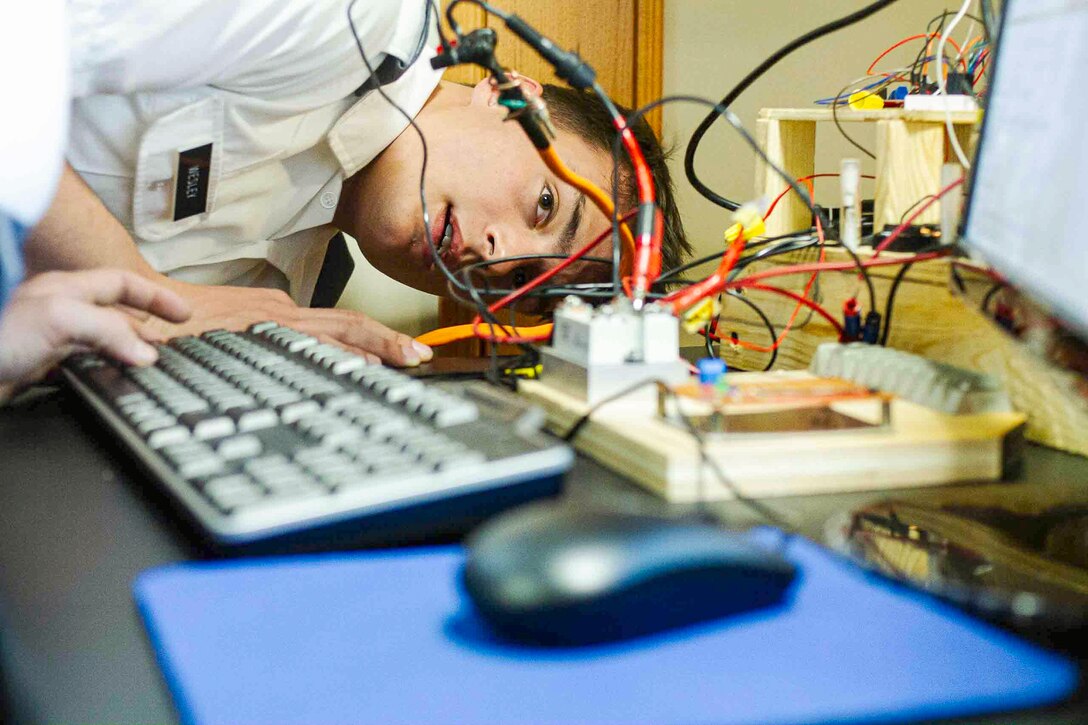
x=559, y=576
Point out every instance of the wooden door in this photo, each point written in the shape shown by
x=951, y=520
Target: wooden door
x=621, y=39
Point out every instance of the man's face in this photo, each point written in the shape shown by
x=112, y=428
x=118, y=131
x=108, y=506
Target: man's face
x=488, y=194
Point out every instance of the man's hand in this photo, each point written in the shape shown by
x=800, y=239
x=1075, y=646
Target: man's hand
x=57, y=313
x=235, y=308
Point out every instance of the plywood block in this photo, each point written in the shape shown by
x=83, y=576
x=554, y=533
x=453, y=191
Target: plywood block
x=921, y=448
x=909, y=155
x=848, y=115
x=792, y=146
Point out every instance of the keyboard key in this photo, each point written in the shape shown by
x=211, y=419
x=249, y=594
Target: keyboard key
x=168, y=436
x=298, y=410
x=259, y=327
x=199, y=466
x=257, y=419
x=245, y=446
x=205, y=426
x=231, y=492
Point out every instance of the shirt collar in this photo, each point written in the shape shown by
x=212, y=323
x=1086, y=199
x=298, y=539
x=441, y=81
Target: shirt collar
x=370, y=124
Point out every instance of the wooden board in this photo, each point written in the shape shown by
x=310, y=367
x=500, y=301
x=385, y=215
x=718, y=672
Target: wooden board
x=909, y=155
x=791, y=145
x=851, y=116
x=921, y=448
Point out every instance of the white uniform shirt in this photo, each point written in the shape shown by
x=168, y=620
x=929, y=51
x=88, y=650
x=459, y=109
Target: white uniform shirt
x=271, y=86
x=35, y=110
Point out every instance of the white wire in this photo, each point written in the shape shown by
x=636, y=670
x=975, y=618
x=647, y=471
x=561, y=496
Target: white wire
x=942, y=84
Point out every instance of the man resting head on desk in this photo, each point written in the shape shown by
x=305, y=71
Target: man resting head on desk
x=218, y=145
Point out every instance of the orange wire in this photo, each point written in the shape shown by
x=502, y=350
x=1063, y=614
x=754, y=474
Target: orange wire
x=600, y=199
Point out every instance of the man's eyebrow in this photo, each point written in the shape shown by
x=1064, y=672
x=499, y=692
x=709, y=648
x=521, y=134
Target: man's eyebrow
x=566, y=238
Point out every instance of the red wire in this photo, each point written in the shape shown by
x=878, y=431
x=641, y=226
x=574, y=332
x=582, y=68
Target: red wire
x=904, y=41
x=647, y=263
x=788, y=189
x=801, y=301
x=536, y=282
x=793, y=316
x=833, y=267
x=914, y=215
x=685, y=297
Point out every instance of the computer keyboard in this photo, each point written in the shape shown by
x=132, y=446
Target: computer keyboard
x=270, y=437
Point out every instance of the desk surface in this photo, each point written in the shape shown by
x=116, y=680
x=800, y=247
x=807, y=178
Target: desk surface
x=77, y=529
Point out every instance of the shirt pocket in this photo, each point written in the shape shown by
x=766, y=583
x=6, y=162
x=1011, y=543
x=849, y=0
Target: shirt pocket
x=191, y=126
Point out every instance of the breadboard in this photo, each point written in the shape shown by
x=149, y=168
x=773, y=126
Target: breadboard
x=921, y=447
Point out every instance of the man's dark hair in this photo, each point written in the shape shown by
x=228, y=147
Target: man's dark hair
x=581, y=112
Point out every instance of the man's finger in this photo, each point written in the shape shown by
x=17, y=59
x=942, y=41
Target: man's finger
x=356, y=330
x=101, y=328
x=113, y=286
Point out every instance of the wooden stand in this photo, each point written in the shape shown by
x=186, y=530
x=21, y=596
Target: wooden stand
x=920, y=448
x=910, y=149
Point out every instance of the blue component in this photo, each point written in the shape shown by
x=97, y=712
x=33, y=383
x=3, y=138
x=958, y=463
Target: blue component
x=711, y=370
x=12, y=235
x=898, y=93
x=870, y=331
x=851, y=325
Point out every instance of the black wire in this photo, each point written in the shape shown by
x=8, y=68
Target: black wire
x=723, y=111
x=838, y=123
x=731, y=97
x=802, y=193
x=753, y=504
x=759, y=508
x=412, y=122
x=680, y=269
x=912, y=207
x=990, y=293
x=766, y=322
x=456, y=27
x=575, y=429
x=864, y=274
x=890, y=304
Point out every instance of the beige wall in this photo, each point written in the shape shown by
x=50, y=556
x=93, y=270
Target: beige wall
x=712, y=44
x=390, y=302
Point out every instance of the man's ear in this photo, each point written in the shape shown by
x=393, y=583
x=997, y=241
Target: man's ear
x=485, y=93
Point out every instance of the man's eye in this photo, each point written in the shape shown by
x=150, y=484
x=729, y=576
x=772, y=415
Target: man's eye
x=545, y=205
x=520, y=277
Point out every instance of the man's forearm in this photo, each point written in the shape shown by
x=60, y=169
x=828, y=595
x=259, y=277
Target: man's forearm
x=79, y=232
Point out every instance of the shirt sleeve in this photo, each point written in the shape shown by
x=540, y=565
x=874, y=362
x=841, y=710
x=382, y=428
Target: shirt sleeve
x=269, y=48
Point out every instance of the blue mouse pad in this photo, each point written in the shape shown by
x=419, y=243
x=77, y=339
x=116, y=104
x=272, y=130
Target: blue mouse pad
x=387, y=637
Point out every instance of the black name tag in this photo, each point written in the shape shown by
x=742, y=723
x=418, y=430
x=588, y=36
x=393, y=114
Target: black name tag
x=191, y=190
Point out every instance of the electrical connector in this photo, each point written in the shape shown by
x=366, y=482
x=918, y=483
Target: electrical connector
x=700, y=315
x=597, y=352
x=851, y=321
x=870, y=332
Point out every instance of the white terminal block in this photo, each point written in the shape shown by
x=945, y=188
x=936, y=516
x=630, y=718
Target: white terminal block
x=598, y=352
x=954, y=102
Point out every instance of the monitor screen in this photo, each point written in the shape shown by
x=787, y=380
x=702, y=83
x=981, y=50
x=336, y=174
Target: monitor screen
x=1028, y=209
